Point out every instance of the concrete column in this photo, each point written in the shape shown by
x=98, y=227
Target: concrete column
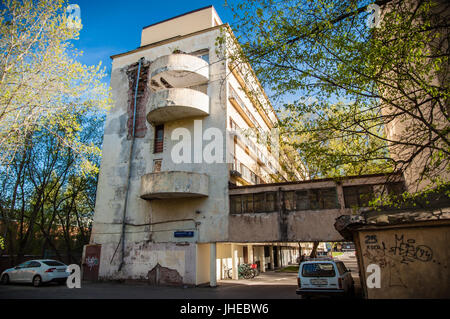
x=250, y=254
x=272, y=266
x=262, y=260
x=234, y=260
x=279, y=256
x=212, y=265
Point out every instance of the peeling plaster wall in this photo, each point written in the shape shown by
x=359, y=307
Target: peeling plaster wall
x=142, y=257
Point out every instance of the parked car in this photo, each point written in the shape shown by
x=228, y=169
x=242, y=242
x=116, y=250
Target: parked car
x=324, y=276
x=36, y=272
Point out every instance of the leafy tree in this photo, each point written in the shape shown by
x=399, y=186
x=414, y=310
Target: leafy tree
x=46, y=202
x=341, y=82
x=42, y=85
x=51, y=116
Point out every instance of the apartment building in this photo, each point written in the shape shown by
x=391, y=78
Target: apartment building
x=184, y=128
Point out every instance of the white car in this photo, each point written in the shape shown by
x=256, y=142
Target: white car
x=324, y=277
x=36, y=272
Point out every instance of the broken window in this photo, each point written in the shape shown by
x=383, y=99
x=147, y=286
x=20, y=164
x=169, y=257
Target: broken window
x=324, y=198
x=289, y=200
x=235, y=204
x=314, y=198
x=271, y=202
x=302, y=201
x=329, y=198
x=247, y=203
x=259, y=202
x=358, y=196
x=157, y=165
x=396, y=188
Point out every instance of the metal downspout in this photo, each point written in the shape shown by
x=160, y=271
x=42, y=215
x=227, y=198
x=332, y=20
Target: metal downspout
x=129, y=167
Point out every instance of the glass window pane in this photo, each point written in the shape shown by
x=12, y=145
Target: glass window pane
x=314, y=199
x=271, y=201
x=259, y=202
x=235, y=204
x=329, y=197
x=302, y=200
x=289, y=202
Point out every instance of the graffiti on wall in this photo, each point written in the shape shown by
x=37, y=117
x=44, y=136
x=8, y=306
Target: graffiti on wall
x=91, y=262
x=402, y=251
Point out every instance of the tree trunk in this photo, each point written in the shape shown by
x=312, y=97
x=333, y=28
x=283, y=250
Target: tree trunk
x=314, y=250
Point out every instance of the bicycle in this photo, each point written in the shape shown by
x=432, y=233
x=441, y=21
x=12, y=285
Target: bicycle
x=255, y=270
x=245, y=271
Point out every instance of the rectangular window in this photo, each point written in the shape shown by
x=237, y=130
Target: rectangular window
x=314, y=199
x=157, y=165
x=329, y=197
x=248, y=203
x=159, y=139
x=271, y=202
x=302, y=200
x=289, y=200
x=358, y=196
x=318, y=270
x=259, y=202
x=395, y=188
x=235, y=204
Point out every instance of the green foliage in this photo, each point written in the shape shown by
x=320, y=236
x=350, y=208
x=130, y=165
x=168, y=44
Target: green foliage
x=2, y=243
x=42, y=85
x=52, y=109
x=338, y=83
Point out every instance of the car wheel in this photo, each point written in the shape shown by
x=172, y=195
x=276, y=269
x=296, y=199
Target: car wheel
x=37, y=281
x=5, y=279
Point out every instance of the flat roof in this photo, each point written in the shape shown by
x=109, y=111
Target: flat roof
x=327, y=179
x=180, y=15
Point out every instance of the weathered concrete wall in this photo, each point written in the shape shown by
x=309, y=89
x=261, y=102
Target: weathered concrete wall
x=207, y=217
x=174, y=184
x=314, y=225
x=142, y=257
x=414, y=260
x=251, y=228
x=306, y=226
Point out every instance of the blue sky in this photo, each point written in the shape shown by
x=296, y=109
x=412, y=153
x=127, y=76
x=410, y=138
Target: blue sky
x=114, y=26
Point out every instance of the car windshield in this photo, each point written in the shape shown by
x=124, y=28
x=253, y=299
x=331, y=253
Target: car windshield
x=318, y=270
x=53, y=263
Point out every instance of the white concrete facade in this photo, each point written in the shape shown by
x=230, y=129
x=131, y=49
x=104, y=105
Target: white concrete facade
x=163, y=196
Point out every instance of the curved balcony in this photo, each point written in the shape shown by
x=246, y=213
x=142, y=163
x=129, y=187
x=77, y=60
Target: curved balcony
x=174, y=104
x=174, y=184
x=177, y=71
